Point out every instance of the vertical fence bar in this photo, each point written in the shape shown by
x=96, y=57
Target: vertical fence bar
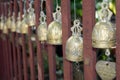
x=7, y=43
x=89, y=54
x=118, y=39
x=18, y=47
x=14, y=47
x=1, y=48
x=3, y=57
x=19, y=58
x=32, y=64
x=1, y=52
x=39, y=53
x=24, y=55
x=66, y=24
x=10, y=45
x=51, y=48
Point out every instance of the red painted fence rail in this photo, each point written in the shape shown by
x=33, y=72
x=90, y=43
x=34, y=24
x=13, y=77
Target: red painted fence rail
x=22, y=62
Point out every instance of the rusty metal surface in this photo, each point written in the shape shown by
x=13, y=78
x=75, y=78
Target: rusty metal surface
x=89, y=54
x=24, y=55
x=51, y=48
x=18, y=50
x=31, y=53
x=40, y=66
x=14, y=47
x=118, y=39
x=66, y=24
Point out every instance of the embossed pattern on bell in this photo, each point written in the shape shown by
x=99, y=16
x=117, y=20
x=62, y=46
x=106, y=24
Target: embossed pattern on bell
x=8, y=22
x=31, y=16
x=31, y=19
x=42, y=28
x=74, y=49
x=103, y=35
x=13, y=24
x=18, y=24
x=106, y=70
x=1, y=25
x=42, y=32
x=54, y=35
x=74, y=44
x=5, y=29
x=1, y=22
x=24, y=25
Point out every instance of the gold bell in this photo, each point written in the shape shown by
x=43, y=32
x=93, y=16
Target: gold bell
x=54, y=35
x=31, y=16
x=18, y=24
x=5, y=29
x=103, y=35
x=74, y=45
x=13, y=24
x=24, y=25
x=8, y=22
x=1, y=23
x=106, y=69
x=42, y=28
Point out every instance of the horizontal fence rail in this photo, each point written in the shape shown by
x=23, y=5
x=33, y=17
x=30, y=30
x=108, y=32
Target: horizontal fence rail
x=22, y=58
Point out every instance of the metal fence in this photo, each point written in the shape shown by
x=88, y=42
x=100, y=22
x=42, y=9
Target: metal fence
x=14, y=61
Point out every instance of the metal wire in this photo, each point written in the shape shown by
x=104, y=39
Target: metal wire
x=74, y=9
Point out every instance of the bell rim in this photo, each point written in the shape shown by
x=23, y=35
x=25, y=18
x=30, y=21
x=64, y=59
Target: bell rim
x=53, y=42
x=110, y=44
x=73, y=59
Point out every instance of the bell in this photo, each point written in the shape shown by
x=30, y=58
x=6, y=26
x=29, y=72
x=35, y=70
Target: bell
x=103, y=35
x=42, y=28
x=54, y=35
x=106, y=69
x=5, y=28
x=31, y=16
x=18, y=24
x=74, y=45
x=8, y=22
x=13, y=24
x=1, y=22
x=24, y=25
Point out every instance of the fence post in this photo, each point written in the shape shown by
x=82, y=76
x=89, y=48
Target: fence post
x=31, y=53
x=66, y=24
x=118, y=39
x=89, y=54
x=51, y=48
x=18, y=47
x=40, y=65
x=24, y=55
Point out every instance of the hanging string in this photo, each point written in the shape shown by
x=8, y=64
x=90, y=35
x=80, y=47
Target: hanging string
x=24, y=6
x=105, y=0
x=31, y=2
x=41, y=5
x=8, y=9
x=57, y=2
x=74, y=9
